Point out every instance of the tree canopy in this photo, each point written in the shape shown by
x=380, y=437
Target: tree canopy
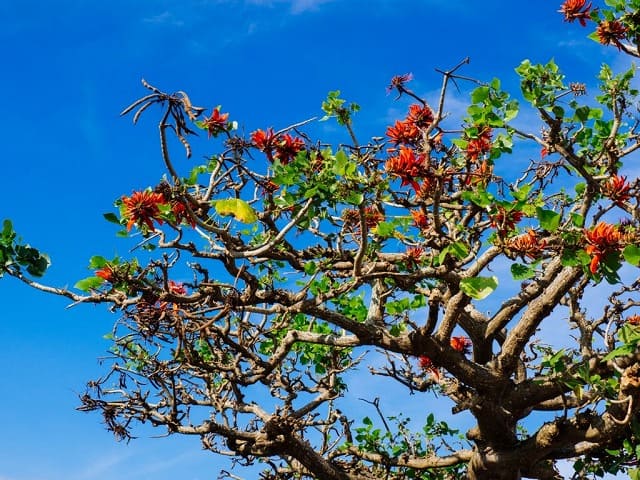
x=261, y=281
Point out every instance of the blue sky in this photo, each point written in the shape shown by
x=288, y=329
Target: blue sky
x=69, y=67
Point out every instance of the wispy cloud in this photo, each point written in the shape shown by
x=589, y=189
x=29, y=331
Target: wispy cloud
x=295, y=6
x=164, y=18
x=98, y=467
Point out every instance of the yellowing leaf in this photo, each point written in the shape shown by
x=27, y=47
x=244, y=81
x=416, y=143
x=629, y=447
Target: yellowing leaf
x=237, y=208
x=479, y=287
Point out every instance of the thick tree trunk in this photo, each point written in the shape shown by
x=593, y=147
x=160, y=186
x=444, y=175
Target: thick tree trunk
x=489, y=465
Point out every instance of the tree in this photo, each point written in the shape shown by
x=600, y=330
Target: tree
x=269, y=274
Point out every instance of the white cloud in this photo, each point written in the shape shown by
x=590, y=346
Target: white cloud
x=295, y=6
x=164, y=18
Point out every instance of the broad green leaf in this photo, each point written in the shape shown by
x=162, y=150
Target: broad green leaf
x=522, y=193
x=310, y=268
x=479, y=287
x=384, y=229
x=97, y=262
x=89, y=283
x=631, y=254
x=549, y=220
x=354, y=198
x=111, y=217
x=482, y=198
x=480, y=94
x=621, y=351
x=7, y=228
x=522, y=272
x=239, y=209
x=459, y=250
x=577, y=219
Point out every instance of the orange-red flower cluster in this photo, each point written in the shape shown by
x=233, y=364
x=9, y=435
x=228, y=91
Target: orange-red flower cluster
x=481, y=175
x=177, y=287
x=408, y=167
x=372, y=217
x=409, y=130
x=281, y=147
x=413, y=256
x=420, y=219
x=602, y=239
x=461, y=344
x=527, y=245
x=576, y=10
x=107, y=273
x=633, y=319
x=398, y=81
x=505, y=220
x=142, y=208
x=427, y=365
x=216, y=123
x=178, y=207
x=617, y=189
x=480, y=145
x=611, y=32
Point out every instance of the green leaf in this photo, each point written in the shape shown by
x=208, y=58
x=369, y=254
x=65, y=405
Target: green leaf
x=111, y=217
x=522, y=272
x=97, y=262
x=384, y=229
x=631, y=254
x=7, y=229
x=621, y=351
x=479, y=287
x=354, y=198
x=549, y=220
x=522, y=193
x=459, y=250
x=239, y=209
x=480, y=94
x=482, y=198
x=89, y=283
x=577, y=219
x=310, y=268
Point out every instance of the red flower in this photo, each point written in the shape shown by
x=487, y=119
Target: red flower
x=420, y=219
x=420, y=115
x=479, y=145
x=413, y=256
x=372, y=217
x=427, y=365
x=142, y=208
x=408, y=167
x=602, y=239
x=287, y=147
x=611, y=32
x=177, y=288
x=398, y=81
x=264, y=141
x=528, y=245
x=106, y=273
x=617, y=189
x=634, y=319
x=461, y=344
x=481, y=175
x=269, y=187
x=576, y=10
x=216, y=123
x=505, y=220
x=408, y=131
x=180, y=212
x=403, y=132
